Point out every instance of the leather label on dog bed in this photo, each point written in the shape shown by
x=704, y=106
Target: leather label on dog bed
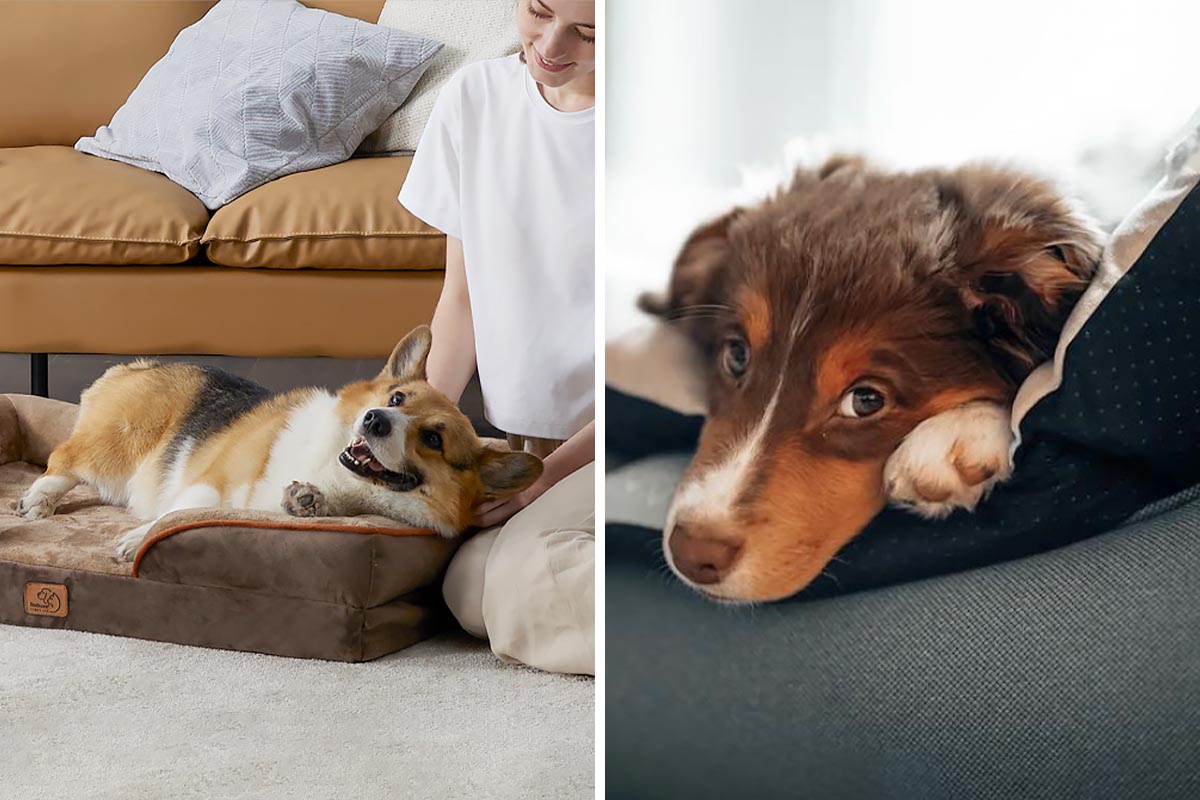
x=46, y=599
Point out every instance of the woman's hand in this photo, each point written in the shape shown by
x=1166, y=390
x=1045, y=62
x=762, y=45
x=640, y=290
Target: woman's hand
x=494, y=512
x=574, y=453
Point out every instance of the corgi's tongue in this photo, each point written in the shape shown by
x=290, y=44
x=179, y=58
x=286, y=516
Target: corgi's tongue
x=360, y=451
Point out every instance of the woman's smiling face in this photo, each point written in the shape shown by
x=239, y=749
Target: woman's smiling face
x=558, y=39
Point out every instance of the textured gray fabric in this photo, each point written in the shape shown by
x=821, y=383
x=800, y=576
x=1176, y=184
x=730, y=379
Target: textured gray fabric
x=1072, y=674
x=1171, y=503
x=258, y=89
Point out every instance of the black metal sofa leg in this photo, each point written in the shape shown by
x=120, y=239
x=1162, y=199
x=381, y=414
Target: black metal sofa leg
x=39, y=374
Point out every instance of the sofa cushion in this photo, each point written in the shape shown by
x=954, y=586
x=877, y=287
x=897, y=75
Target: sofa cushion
x=340, y=217
x=79, y=59
x=258, y=90
x=58, y=206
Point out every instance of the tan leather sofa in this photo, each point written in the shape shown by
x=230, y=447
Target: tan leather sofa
x=101, y=257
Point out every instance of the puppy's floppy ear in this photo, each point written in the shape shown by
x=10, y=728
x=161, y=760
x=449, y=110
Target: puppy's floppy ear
x=407, y=361
x=696, y=277
x=1021, y=256
x=506, y=472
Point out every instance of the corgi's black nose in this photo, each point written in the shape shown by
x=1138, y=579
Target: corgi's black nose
x=376, y=423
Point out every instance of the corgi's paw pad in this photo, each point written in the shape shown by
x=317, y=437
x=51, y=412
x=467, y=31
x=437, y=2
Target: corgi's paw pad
x=33, y=507
x=129, y=544
x=951, y=460
x=304, y=500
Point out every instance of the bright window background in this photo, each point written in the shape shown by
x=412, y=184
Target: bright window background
x=709, y=101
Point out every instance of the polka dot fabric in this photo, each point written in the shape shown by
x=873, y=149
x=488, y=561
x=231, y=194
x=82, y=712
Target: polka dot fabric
x=1132, y=389
x=1121, y=432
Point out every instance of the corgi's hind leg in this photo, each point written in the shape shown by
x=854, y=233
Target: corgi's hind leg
x=59, y=478
x=197, y=495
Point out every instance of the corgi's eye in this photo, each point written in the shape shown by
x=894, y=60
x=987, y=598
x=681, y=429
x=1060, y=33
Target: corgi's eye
x=431, y=439
x=861, y=401
x=397, y=399
x=735, y=357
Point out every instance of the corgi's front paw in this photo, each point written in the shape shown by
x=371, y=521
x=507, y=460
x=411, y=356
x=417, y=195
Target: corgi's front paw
x=129, y=544
x=34, y=506
x=951, y=461
x=304, y=500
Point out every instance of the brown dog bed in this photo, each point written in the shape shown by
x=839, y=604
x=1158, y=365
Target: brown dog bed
x=338, y=588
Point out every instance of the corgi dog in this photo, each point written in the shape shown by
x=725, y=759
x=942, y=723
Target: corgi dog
x=865, y=334
x=158, y=438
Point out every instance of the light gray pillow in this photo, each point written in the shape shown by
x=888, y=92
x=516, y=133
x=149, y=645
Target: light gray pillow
x=258, y=89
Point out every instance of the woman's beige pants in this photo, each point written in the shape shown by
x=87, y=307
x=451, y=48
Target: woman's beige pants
x=528, y=586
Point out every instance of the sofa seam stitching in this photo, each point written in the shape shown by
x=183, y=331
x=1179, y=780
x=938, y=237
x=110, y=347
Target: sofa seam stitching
x=317, y=235
x=81, y=237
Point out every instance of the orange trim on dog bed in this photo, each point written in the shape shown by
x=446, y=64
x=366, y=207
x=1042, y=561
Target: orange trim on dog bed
x=279, y=526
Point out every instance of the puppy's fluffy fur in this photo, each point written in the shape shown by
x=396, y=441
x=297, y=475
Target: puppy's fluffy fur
x=866, y=332
x=161, y=438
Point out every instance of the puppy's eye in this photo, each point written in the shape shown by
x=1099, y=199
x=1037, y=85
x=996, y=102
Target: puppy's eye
x=860, y=402
x=397, y=399
x=431, y=439
x=735, y=357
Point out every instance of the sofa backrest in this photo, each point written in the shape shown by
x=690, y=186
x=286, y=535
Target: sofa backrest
x=66, y=66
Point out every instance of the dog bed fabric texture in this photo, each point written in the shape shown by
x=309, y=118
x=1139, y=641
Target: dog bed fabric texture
x=336, y=588
x=1109, y=427
x=1072, y=674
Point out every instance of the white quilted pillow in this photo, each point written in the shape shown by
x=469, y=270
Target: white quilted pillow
x=258, y=89
x=472, y=30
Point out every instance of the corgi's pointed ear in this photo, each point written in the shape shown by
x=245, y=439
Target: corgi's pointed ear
x=407, y=361
x=506, y=472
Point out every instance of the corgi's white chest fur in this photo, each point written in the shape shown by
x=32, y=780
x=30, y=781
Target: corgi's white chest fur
x=305, y=450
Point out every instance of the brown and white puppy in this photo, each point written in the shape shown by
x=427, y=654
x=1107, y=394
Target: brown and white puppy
x=866, y=333
x=161, y=438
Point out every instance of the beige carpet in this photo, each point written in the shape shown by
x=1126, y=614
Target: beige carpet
x=90, y=716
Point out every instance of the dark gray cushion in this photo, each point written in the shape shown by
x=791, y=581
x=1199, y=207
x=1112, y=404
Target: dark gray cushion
x=1072, y=674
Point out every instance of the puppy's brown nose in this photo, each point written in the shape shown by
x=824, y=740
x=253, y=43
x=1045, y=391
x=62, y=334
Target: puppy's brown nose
x=699, y=555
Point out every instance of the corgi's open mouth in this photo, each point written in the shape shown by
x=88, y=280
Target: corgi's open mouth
x=358, y=458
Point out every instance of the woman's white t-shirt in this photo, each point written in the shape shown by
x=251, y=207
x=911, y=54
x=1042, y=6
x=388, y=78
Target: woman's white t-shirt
x=512, y=177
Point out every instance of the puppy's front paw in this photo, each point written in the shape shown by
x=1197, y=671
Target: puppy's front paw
x=129, y=544
x=33, y=506
x=304, y=500
x=951, y=460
